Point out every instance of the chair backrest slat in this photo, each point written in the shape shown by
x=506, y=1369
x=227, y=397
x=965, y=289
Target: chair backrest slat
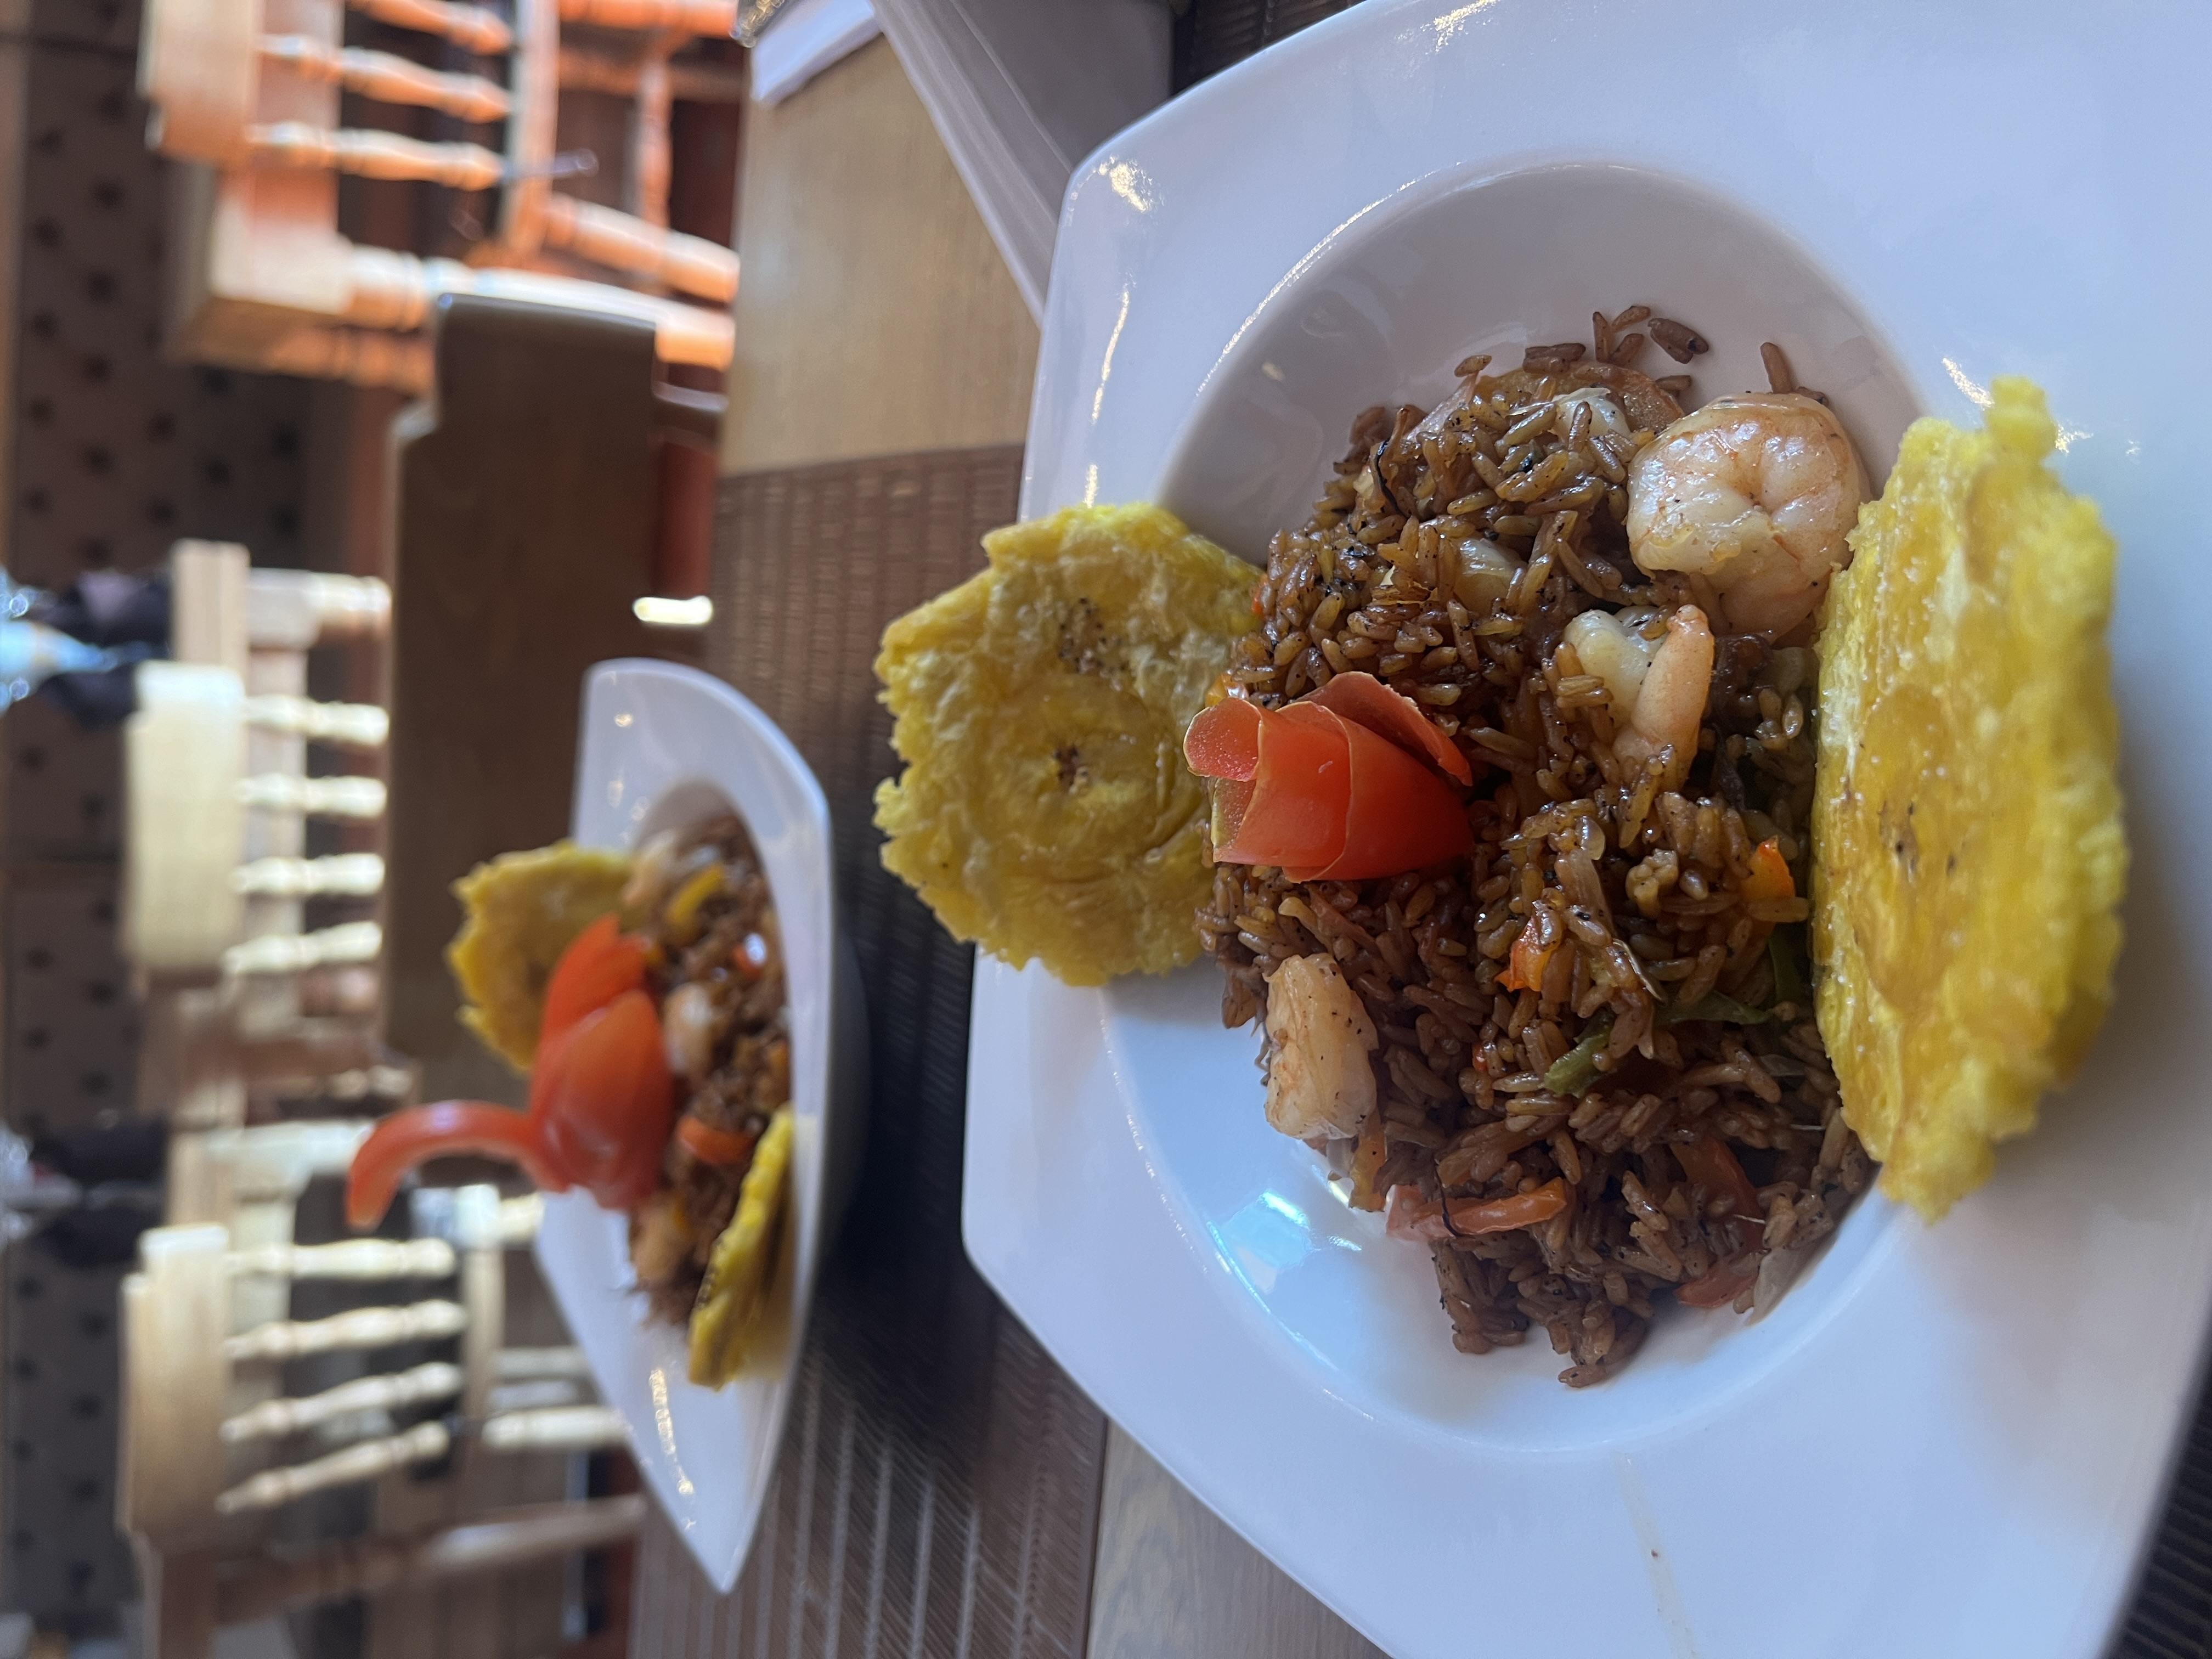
x=273, y=1418
x=362, y=1328
x=424, y=1443
x=350, y=1258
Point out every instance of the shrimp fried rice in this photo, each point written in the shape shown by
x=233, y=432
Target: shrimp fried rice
x=1598, y=1081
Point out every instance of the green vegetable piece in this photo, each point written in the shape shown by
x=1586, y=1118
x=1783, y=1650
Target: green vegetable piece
x=1714, y=1007
x=1573, y=1072
x=1785, y=949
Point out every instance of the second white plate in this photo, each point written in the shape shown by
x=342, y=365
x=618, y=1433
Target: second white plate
x=664, y=745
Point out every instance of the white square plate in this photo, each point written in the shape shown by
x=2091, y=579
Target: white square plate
x=664, y=745
x=1947, y=1440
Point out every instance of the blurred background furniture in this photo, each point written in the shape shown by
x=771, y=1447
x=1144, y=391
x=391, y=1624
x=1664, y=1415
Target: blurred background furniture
x=216, y=879
x=206, y=1341
x=285, y=1060
x=216, y=885
x=246, y=93
x=523, y=522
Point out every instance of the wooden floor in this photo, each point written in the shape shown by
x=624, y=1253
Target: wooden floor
x=875, y=318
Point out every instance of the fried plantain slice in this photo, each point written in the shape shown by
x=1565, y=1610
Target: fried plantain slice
x=521, y=911
x=1970, y=858
x=1045, y=810
x=734, y=1300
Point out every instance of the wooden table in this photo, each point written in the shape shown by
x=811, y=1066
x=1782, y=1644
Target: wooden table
x=877, y=319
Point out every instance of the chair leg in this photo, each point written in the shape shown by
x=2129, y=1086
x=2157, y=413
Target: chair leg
x=178, y=1593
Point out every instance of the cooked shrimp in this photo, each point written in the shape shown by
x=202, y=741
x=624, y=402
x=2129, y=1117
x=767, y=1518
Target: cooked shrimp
x=1754, y=493
x=1658, y=686
x=661, y=1239
x=687, y=1030
x=652, y=872
x=1319, y=1036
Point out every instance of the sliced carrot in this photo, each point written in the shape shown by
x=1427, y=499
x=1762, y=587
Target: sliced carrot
x=720, y=1147
x=1365, y=701
x=1524, y=968
x=1708, y=1161
x=1720, y=1286
x=1409, y=1218
x=1503, y=1215
x=1770, y=877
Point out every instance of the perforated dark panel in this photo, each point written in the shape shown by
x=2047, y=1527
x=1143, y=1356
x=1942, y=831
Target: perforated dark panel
x=72, y=1031
x=66, y=1563
x=117, y=454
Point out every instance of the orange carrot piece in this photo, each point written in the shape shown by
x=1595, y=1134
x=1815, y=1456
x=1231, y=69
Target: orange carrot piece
x=1524, y=968
x=1770, y=877
x=1503, y=1215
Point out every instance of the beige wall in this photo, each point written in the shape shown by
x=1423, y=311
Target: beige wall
x=874, y=314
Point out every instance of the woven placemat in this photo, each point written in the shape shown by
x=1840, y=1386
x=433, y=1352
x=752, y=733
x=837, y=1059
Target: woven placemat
x=2171, y=1616
x=938, y=1491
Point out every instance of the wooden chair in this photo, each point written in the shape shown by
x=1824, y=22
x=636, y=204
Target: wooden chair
x=215, y=875
x=215, y=882
x=246, y=93
x=204, y=1331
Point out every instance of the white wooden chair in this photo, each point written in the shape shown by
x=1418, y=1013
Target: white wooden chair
x=246, y=91
x=205, y=1330
x=212, y=1447
x=215, y=875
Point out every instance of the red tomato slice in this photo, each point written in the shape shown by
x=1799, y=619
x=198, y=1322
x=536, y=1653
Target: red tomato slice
x=605, y=1101
x=1365, y=701
x=1325, y=796
x=1300, y=791
x=600, y=963
x=410, y=1138
x=1223, y=741
x=1399, y=815
x=1232, y=800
